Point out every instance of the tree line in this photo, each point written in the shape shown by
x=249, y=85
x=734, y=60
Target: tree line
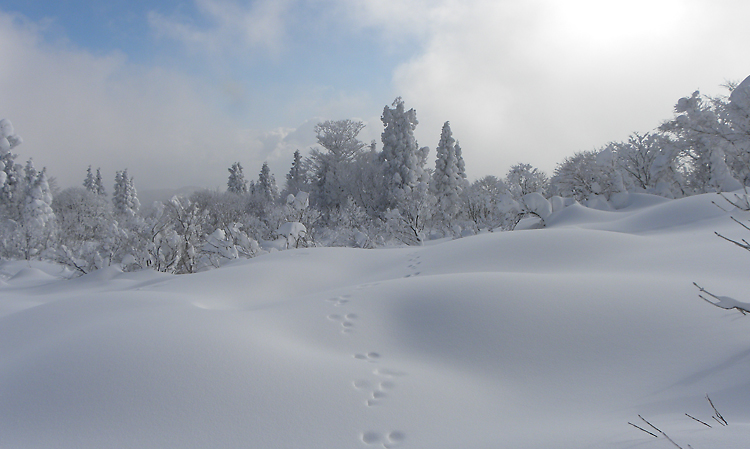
x=350, y=193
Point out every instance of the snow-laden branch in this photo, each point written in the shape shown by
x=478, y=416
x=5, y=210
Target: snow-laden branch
x=724, y=302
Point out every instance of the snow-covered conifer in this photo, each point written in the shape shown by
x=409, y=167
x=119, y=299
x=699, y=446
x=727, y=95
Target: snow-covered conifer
x=449, y=178
x=296, y=179
x=9, y=170
x=403, y=159
x=99, y=184
x=38, y=216
x=332, y=169
x=236, y=183
x=125, y=197
x=88, y=182
x=266, y=185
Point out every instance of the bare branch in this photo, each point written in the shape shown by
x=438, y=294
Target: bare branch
x=642, y=429
x=718, y=416
x=723, y=302
x=696, y=419
x=743, y=245
x=661, y=432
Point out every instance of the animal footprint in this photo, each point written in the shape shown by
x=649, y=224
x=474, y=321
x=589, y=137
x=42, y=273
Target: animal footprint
x=339, y=300
x=391, y=439
x=372, y=357
x=346, y=321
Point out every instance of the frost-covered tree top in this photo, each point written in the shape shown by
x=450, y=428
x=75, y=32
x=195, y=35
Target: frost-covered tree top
x=8, y=138
x=739, y=107
x=267, y=183
x=523, y=179
x=339, y=137
x=99, y=184
x=449, y=178
x=90, y=182
x=296, y=179
x=403, y=159
x=125, y=197
x=236, y=182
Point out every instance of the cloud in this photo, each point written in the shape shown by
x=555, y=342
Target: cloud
x=536, y=81
x=74, y=109
x=231, y=27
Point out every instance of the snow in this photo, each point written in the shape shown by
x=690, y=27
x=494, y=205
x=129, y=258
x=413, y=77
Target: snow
x=550, y=337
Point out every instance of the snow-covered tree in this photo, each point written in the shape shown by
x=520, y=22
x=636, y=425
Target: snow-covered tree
x=403, y=159
x=296, y=179
x=87, y=235
x=449, y=178
x=738, y=116
x=332, y=169
x=577, y=176
x=368, y=191
x=702, y=135
x=415, y=207
x=82, y=215
x=523, y=179
x=89, y=181
x=637, y=158
x=125, y=197
x=38, y=226
x=8, y=141
x=482, y=203
x=266, y=186
x=93, y=183
x=99, y=184
x=236, y=183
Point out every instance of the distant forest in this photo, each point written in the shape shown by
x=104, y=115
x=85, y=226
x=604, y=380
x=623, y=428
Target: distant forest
x=352, y=193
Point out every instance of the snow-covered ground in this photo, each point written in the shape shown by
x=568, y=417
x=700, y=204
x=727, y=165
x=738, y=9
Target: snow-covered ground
x=543, y=338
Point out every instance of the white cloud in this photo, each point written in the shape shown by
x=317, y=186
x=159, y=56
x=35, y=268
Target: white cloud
x=536, y=81
x=74, y=109
x=234, y=27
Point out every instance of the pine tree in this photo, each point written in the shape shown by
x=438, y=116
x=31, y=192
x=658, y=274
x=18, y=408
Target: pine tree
x=125, y=197
x=99, y=184
x=449, y=178
x=30, y=173
x=266, y=185
x=10, y=176
x=236, y=183
x=89, y=183
x=38, y=216
x=403, y=159
x=296, y=179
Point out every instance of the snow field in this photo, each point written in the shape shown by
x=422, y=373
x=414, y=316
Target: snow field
x=553, y=337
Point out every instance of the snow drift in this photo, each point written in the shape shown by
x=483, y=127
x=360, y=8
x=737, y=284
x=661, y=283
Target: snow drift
x=553, y=337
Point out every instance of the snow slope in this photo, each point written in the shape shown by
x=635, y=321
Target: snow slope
x=554, y=337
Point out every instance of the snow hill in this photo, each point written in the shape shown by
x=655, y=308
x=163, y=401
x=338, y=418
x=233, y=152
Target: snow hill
x=544, y=338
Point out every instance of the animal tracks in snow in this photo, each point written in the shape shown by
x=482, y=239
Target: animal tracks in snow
x=377, y=391
x=413, y=266
x=379, y=388
x=381, y=382
x=345, y=321
x=339, y=300
x=372, y=357
x=387, y=440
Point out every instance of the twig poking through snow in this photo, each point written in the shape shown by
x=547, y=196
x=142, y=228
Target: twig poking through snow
x=724, y=302
x=660, y=431
x=696, y=419
x=720, y=419
x=642, y=429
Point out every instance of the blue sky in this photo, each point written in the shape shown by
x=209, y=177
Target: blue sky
x=178, y=90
